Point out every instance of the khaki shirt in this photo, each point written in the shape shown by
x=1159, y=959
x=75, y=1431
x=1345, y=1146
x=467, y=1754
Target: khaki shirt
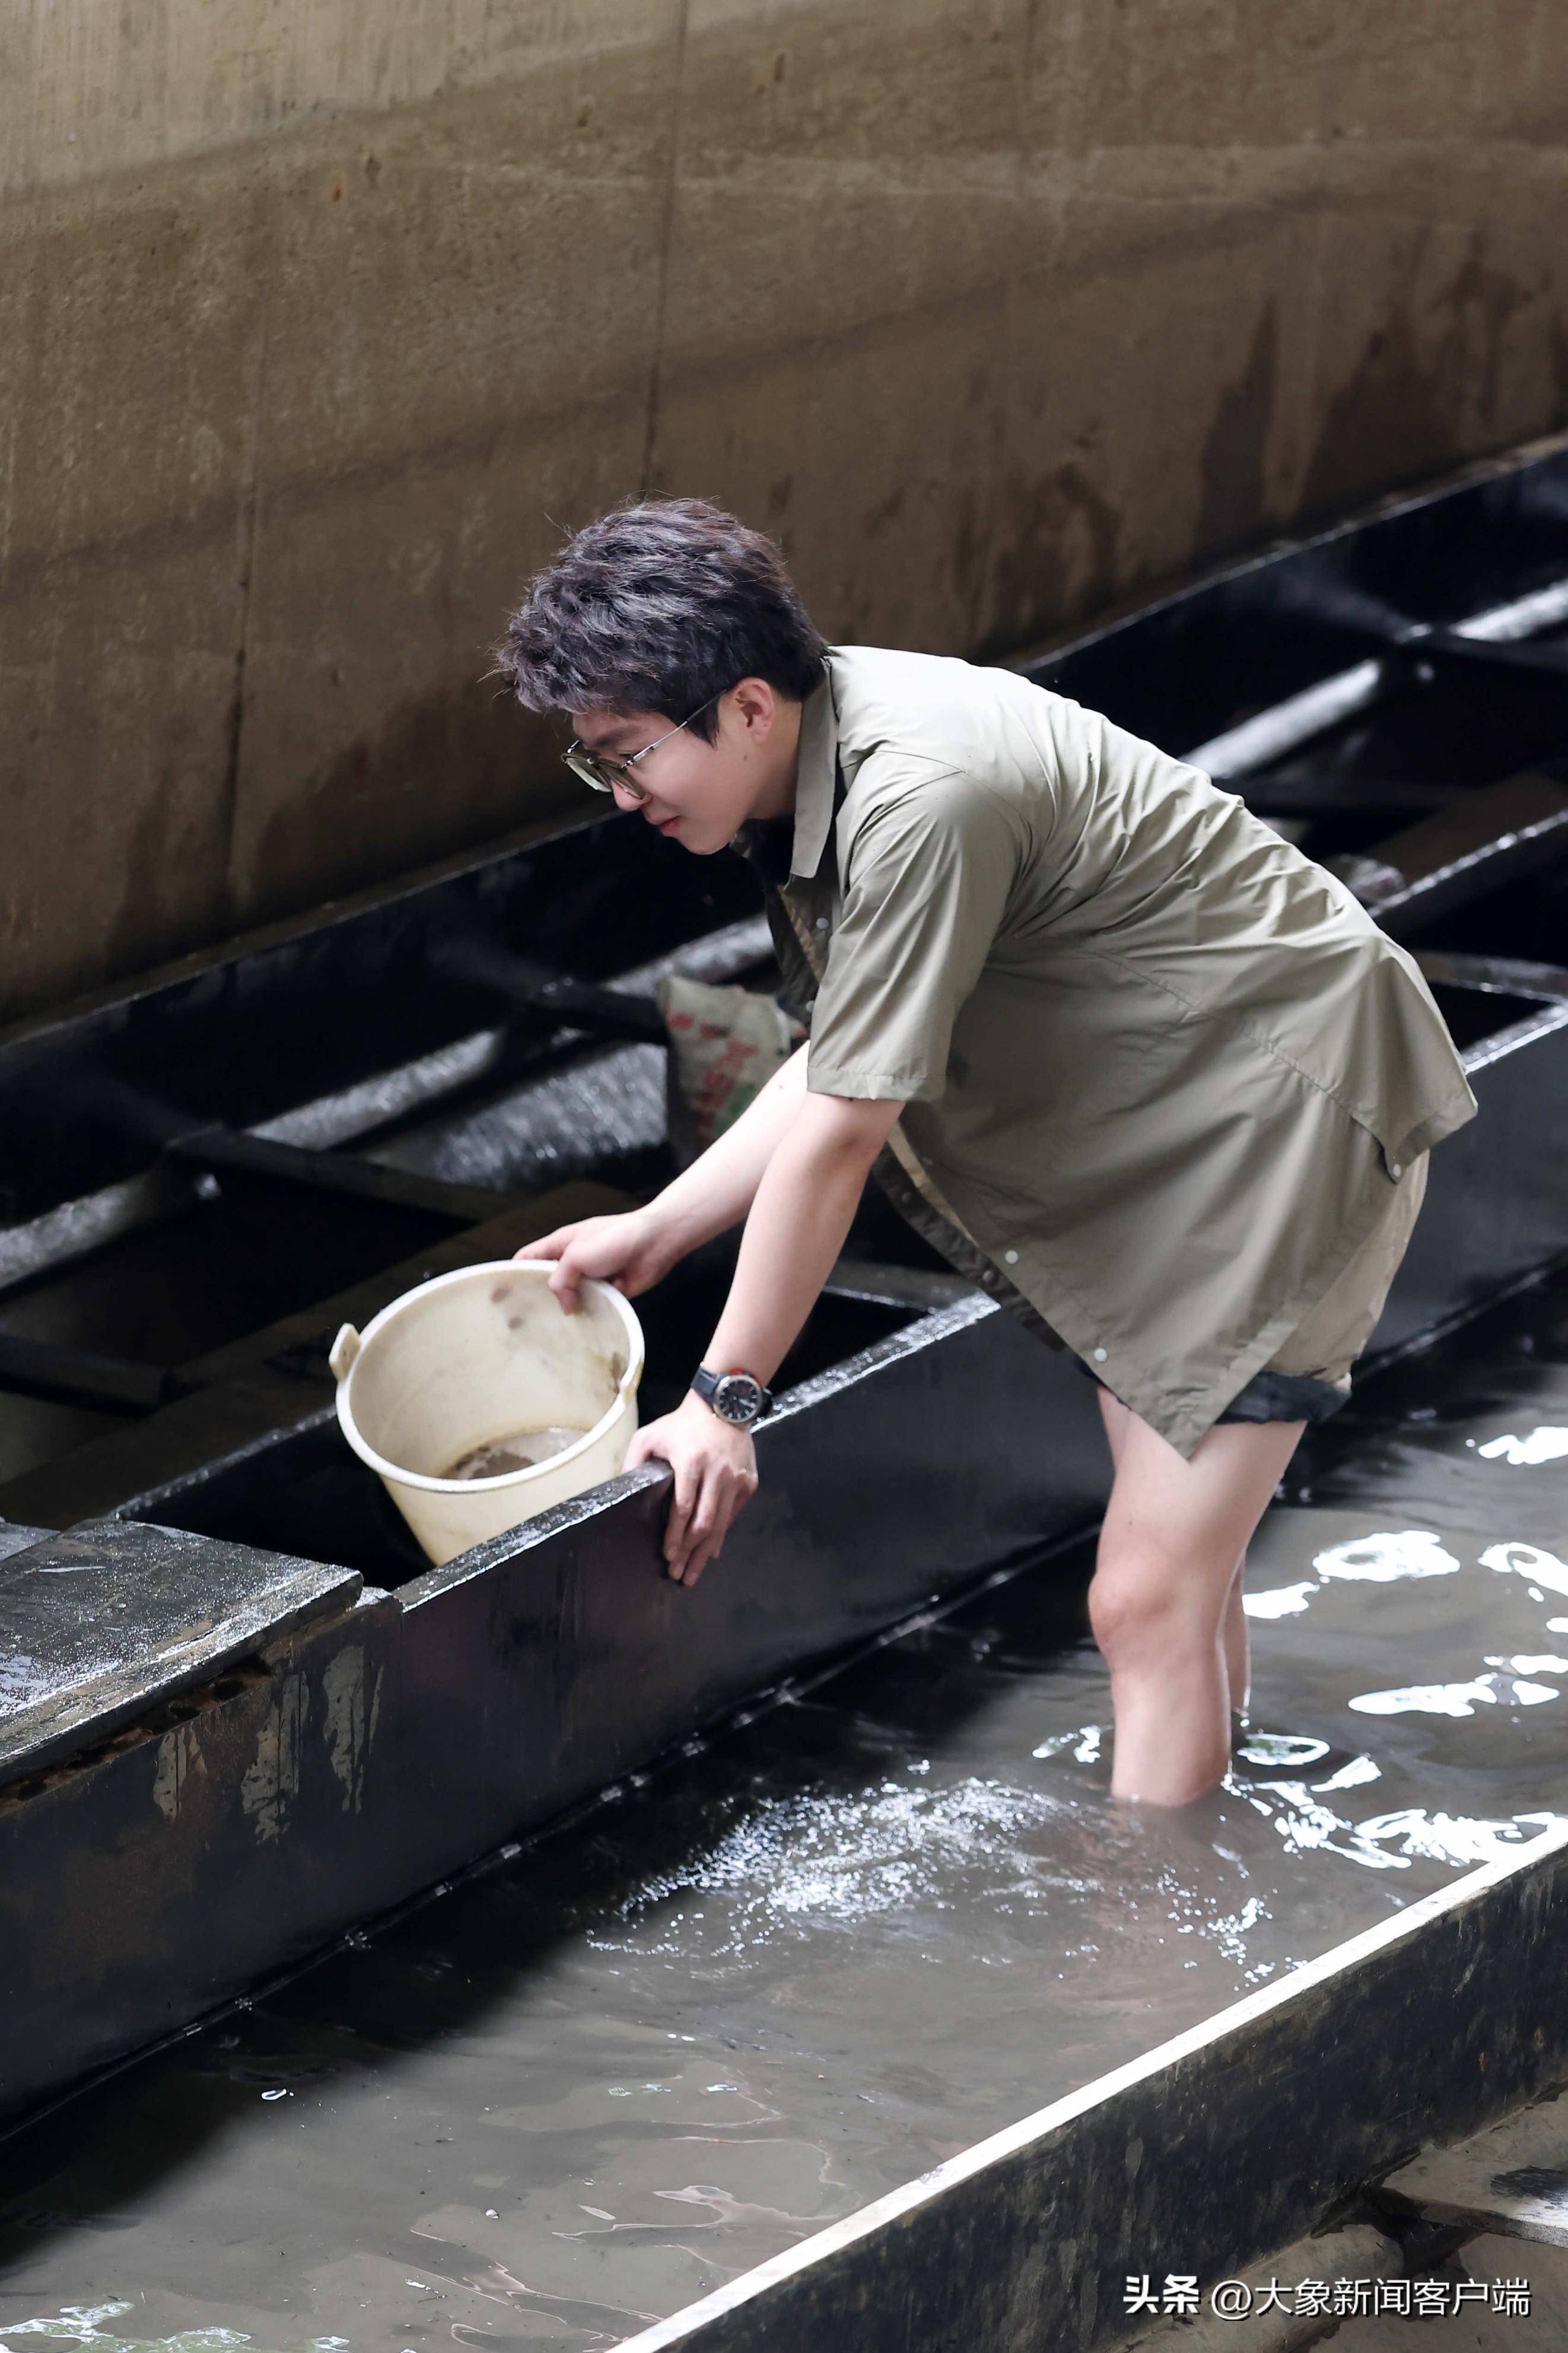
x=1162, y=1072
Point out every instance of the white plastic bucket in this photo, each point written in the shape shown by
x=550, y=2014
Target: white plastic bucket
x=476, y=1358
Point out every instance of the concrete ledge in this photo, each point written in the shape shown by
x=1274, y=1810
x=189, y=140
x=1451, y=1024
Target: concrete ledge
x=100, y=1627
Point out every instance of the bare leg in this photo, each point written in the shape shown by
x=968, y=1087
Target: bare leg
x=1116, y=1416
x=1237, y=1649
x=1166, y=1583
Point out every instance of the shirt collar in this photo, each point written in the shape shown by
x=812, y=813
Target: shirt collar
x=816, y=775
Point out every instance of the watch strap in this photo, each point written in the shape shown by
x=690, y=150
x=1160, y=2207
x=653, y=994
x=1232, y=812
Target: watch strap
x=706, y=1382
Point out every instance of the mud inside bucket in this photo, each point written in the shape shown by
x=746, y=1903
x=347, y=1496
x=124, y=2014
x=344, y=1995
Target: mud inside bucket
x=478, y=1401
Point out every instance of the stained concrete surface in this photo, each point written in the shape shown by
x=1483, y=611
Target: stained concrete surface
x=1498, y=2261
x=97, y=1633
x=317, y=326
x=1499, y=2194
x=1511, y=2181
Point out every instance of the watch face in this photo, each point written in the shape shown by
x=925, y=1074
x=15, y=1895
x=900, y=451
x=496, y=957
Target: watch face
x=737, y=1398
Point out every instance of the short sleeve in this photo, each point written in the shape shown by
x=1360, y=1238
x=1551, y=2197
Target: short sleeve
x=926, y=874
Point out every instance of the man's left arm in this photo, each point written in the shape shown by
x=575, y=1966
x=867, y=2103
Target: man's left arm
x=799, y=1217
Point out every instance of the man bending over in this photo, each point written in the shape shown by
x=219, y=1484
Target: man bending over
x=1137, y=1065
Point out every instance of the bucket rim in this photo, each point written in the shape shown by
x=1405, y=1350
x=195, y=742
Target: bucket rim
x=385, y=1469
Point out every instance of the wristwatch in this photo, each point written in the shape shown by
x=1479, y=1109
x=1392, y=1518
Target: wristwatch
x=735, y=1397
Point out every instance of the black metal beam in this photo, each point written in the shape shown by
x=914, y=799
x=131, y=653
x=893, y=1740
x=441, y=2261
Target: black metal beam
x=1463, y=853
x=223, y=1151
x=1489, y=653
x=1499, y=975
x=236, y=1036
x=1203, y=660
x=526, y=986
x=267, y=1382
x=1324, y=792
x=62, y=1375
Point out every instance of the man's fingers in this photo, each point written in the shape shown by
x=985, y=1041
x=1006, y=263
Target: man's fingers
x=709, y=1491
x=651, y=1444
x=547, y=1246
x=691, y=1540
x=700, y=1559
x=682, y=1503
x=564, y=1282
x=565, y=1275
x=725, y=1493
x=700, y=1543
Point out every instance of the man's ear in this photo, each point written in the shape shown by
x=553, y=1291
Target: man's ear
x=756, y=704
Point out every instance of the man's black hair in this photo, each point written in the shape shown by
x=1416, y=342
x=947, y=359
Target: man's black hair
x=660, y=606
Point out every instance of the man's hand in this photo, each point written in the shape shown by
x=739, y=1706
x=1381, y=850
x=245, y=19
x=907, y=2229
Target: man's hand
x=632, y=1250
x=715, y=1468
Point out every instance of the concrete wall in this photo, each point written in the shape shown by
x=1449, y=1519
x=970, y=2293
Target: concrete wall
x=319, y=321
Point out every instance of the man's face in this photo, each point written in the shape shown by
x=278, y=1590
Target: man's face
x=699, y=794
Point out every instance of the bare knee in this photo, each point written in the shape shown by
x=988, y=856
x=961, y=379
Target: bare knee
x=1140, y=1615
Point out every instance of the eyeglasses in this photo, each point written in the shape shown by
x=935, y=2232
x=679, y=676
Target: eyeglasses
x=604, y=775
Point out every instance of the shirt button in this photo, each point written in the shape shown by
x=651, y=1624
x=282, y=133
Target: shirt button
x=1100, y=1356
x=1395, y=1169
x=1011, y=1257
x=822, y=923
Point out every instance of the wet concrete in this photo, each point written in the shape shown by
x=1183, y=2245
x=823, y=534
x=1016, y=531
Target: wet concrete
x=754, y=1993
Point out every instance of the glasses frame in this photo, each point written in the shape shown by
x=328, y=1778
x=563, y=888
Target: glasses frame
x=607, y=776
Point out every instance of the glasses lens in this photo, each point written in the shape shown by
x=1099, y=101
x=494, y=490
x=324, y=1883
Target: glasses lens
x=604, y=777
x=584, y=765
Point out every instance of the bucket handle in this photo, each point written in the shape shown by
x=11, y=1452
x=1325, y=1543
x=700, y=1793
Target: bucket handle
x=343, y=1351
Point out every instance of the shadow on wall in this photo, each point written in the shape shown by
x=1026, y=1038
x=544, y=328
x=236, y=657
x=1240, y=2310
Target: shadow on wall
x=1059, y=565
x=387, y=803
x=1428, y=382
x=1426, y=391
x=1234, y=456
x=452, y=763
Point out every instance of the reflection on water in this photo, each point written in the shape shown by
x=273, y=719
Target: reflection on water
x=840, y=1945
x=1542, y=1445
x=1536, y=1567
x=1379, y=1558
x=1444, y=1699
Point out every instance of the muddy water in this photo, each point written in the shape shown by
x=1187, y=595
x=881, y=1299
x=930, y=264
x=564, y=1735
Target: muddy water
x=769, y=1984
x=519, y=1450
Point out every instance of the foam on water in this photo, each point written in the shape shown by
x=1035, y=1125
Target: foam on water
x=81, y=2325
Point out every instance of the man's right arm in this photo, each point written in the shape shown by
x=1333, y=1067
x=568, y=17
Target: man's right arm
x=635, y=1250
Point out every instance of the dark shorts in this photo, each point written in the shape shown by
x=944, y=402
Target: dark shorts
x=1272, y=1396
